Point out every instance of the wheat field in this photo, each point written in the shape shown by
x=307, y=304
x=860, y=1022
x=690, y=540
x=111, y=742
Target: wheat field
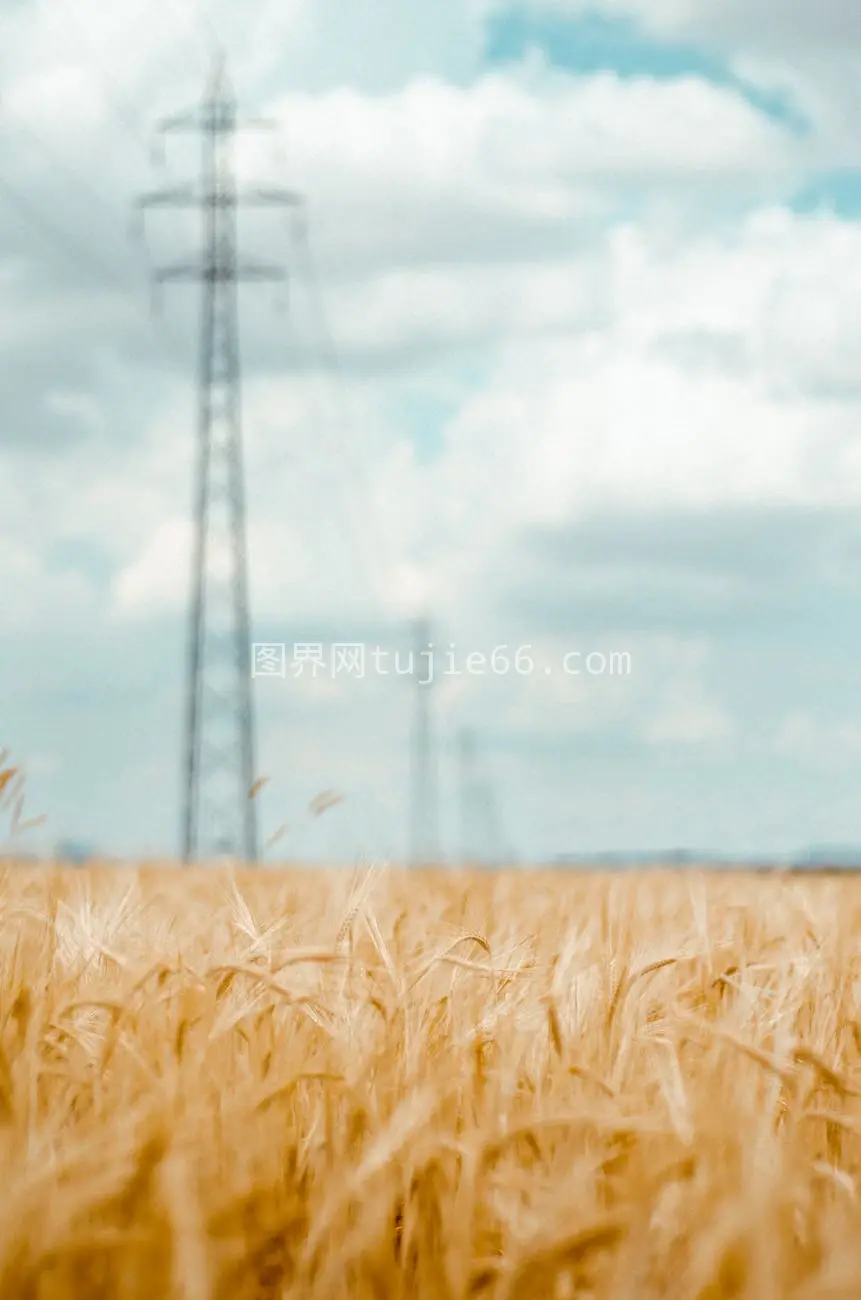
x=388, y=1084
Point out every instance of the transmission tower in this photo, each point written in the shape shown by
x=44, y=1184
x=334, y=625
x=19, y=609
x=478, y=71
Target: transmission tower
x=218, y=772
x=424, y=842
x=468, y=785
x=480, y=830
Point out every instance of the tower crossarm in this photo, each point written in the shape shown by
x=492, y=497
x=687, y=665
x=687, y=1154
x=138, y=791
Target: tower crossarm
x=245, y=268
x=249, y=268
x=175, y=196
x=217, y=116
x=270, y=196
x=189, y=196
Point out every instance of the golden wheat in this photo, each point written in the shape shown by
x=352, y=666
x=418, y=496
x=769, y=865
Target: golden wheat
x=306, y=1084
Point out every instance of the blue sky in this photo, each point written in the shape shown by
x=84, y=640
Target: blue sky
x=593, y=274
x=595, y=42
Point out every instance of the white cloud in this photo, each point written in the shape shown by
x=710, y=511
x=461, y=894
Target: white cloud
x=693, y=390
x=141, y=59
x=158, y=578
x=442, y=169
x=804, y=52
x=696, y=378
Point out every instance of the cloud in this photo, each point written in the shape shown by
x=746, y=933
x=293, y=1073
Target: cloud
x=635, y=425
x=597, y=391
x=158, y=578
x=621, y=401
x=799, y=57
x=462, y=172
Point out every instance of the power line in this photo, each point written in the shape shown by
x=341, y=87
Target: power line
x=81, y=183
x=344, y=475
x=75, y=251
x=51, y=232
x=424, y=830
x=480, y=827
x=368, y=523
x=79, y=255
x=351, y=531
x=200, y=17
x=133, y=123
x=72, y=249
x=198, y=22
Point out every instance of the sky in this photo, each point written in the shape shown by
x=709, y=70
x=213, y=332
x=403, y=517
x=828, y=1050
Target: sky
x=592, y=272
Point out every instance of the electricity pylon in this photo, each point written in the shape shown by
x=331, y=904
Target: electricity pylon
x=480, y=831
x=424, y=848
x=468, y=788
x=218, y=773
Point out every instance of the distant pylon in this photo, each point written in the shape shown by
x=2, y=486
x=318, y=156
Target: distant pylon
x=467, y=784
x=480, y=832
x=218, y=768
x=424, y=839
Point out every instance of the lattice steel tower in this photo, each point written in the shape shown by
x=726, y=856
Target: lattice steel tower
x=218, y=773
x=468, y=796
x=424, y=830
